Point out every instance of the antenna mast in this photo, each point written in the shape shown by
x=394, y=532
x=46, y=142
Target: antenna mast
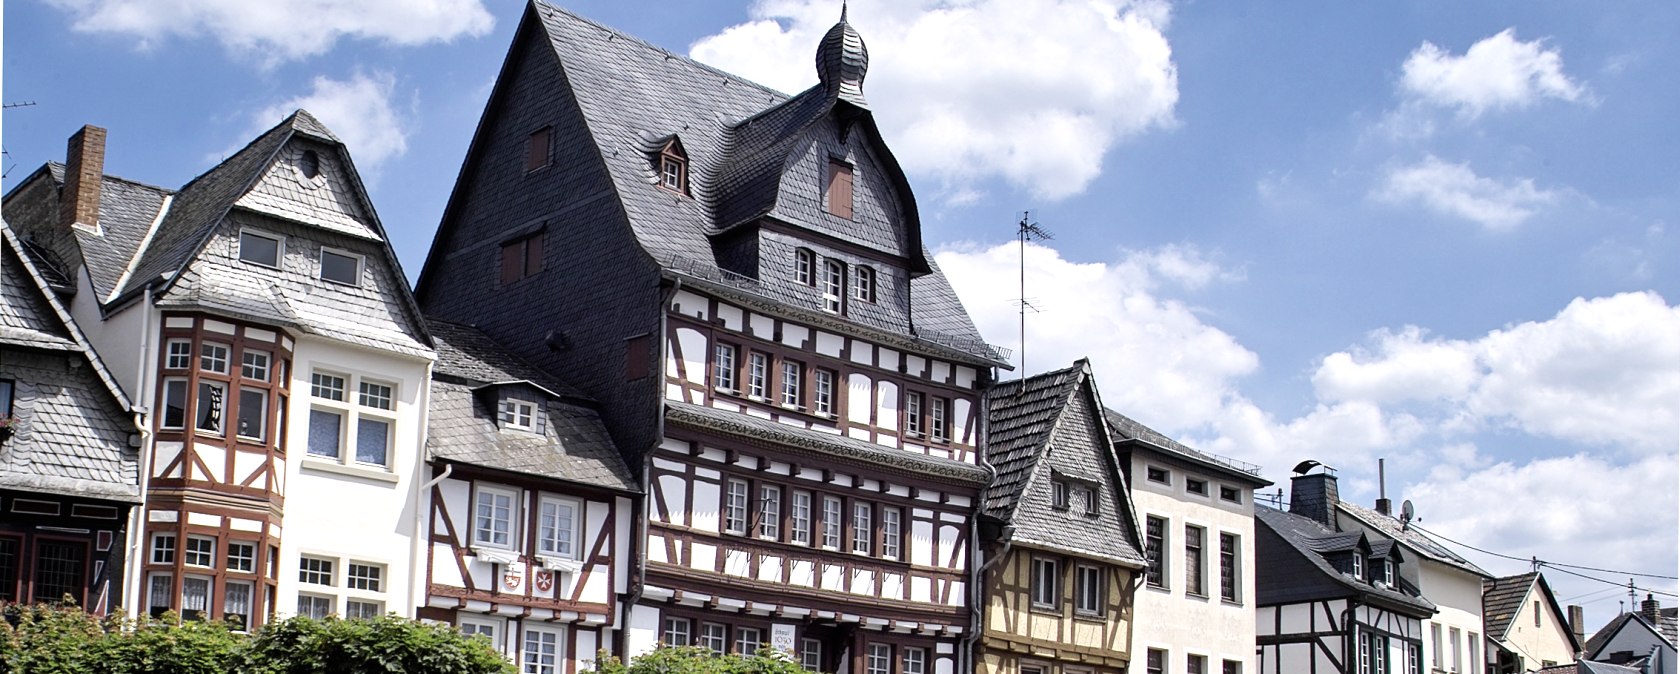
x=1027, y=230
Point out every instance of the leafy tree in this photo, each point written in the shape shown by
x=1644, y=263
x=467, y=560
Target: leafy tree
x=384, y=644
x=698, y=660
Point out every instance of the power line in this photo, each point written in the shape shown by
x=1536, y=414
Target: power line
x=1629, y=584
x=1536, y=560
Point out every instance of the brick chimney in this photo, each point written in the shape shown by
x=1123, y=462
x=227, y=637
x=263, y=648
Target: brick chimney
x=84, y=171
x=1577, y=621
x=1651, y=610
x=1314, y=497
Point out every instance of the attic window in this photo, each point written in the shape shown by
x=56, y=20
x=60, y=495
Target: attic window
x=536, y=149
x=863, y=286
x=519, y=415
x=1358, y=566
x=834, y=285
x=805, y=267
x=259, y=249
x=1231, y=494
x=522, y=257
x=1059, y=495
x=1195, y=486
x=309, y=164
x=1158, y=475
x=340, y=267
x=673, y=168
x=837, y=196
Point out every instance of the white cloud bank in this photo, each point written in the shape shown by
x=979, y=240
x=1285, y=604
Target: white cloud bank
x=1496, y=73
x=276, y=31
x=1455, y=190
x=358, y=110
x=1033, y=91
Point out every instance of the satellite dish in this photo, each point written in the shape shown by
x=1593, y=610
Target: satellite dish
x=1406, y=512
x=1304, y=466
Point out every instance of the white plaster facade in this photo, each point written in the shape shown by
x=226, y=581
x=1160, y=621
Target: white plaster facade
x=1170, y=619
x=1537, y=634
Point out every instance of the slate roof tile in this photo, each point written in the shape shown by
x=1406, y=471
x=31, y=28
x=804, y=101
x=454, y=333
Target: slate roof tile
x=1412, y=538
x=1501, y=599
x=574, y=446
x=1308, y=540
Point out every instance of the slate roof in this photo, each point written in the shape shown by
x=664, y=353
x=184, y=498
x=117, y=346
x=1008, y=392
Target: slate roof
x=574, y=446
x=73, y=425
x=127, y=210
x=1310, y=576
x=1602, y=637
x=1050, y=426
x=737, y=135
x=1126, y=429
x=1411, y=538
x=1501, y=599
x=1020, y=416
x=785, y=436
x=1669, y=624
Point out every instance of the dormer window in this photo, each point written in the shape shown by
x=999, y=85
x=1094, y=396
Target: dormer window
x=1059, y=495
x=863, y=286
x=1388, y=572
x=1358, y=566
x=309, y=164
x=834, y=285
x=837, y=195
x=805, y=267
x=519, y=415
x=673, y=168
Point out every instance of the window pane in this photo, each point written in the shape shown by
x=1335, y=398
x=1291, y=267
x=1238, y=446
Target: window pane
x=373, y=440
x=209, y=415
x=254, y=365
x=339, y=268
x=325, y=432
x=174, y=403
x=259, y=249
x=59, y=568
x=253, y=413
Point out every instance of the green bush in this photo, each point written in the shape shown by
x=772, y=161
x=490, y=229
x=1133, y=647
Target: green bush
x=697, y=660
x=48, y=639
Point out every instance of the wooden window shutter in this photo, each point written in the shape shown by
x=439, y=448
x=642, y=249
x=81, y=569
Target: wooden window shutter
x=536, y=150
x=533, y=254
x=513, y=261
x=636, y=357
x=840, y=189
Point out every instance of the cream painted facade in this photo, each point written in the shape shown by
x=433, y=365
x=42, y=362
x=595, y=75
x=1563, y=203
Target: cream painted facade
x=1171, y=619
x=346, y=510
x=1537, y=634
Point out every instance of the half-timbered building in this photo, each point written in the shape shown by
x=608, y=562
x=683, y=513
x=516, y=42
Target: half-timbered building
x=1061, y=545
x=259, y=316
x=529, y=507
x=1196, y=602
x=738, y=277
x=1332, y=601
x=69, y=467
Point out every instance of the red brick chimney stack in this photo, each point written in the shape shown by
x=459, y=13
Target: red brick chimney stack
x=84, y=171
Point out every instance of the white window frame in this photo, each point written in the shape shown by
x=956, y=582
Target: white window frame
x=376, y=579
x=758, y=375
x=161, y=554
x=208, y=584
x=714, y=636
x=250, y=599
x=748, y=640
x=202, y=399
x=669, y=635
x=736, y=494
x=940, y=419
x=279, y=247
x=241, y=563
x=793, y=384
x=833, y=519
x=805, y=267
x=352, y=612
x=526, y=655
x=878, y=659
x=190, y=553
x=1089, y=590
x=267, y=366
x=1044, y=586
x=799, y=518
x=822, y=392
x=513, y=518
x=178, y=359
x=913, y=425
x=770, y=512
x=160, y=595
x=912, y=665
x=309, y=574
x=321, y=266
x=810, y=654
x=239, y=413
x=312, y=597
x=566, y=546
x=516, y=414
x=340, y=393
x=863, y=283
x=493, y=628
x=863, y=527
x=1358, y=565
x=163, y=405
x=833, y=286
x=204, y=357
x=892, y=532
x=724, y=362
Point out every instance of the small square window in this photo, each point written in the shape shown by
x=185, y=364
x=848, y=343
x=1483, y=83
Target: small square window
x=259, y=249
x=1231, y=494
x=315, y=571
x=201, y=551
x=522, y=257
x=1195, y=486
x=341, y=267
x=163, y=548
x=180, y=355
x=377, y=396
x=359, y=576
x=1160, y=475
x=254, y=365
x=213, y=358
x=518, y=414
x=242, y=557
x=747, y=640
x=326, y=386
x=714, y=636
x=677, y=632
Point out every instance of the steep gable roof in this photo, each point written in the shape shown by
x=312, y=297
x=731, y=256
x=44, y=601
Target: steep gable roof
x=87, y=413
x=1049, y=419
x=1503, y=598
x=1596, y=643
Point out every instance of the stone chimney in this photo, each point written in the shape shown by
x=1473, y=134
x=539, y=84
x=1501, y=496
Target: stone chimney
x=1577, y=621
x=1314, y=497
x=1651, y=610
x=84, y=172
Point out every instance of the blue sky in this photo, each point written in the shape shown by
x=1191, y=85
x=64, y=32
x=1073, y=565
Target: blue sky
x=1443, y=234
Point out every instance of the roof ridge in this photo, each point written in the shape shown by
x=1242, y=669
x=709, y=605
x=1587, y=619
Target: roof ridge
x=108, y=176
x=622, y=35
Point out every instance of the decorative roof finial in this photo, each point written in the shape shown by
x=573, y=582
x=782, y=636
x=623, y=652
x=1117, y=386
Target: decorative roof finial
x=843, y=61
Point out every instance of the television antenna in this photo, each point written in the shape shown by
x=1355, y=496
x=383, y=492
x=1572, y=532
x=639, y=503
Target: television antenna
x=3, y=153
x=1027, y=230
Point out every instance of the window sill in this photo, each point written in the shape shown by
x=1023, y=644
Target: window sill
x=1228, y=602
x=494, y=555
x=1165, y=589
x=560, y=564
x=318, y=465
x=1089, y=616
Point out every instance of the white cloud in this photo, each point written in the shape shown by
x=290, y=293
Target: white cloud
x=358, y=110
x=1579, y=509
x=1496, y=73
x=275, y=31
x=1034, y=91
x=1602, y=372
x=1455, y=190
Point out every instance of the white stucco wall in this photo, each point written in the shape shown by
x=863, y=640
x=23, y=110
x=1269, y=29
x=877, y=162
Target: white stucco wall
x=1457, y=595
x=1537, y=644
x=341, y=510
x=1168, y=618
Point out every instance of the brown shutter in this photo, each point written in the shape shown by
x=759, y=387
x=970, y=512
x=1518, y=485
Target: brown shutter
x=533, y=253
x=636, y=358
x=512, y=260
x=840, y=189
x=536, y=150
